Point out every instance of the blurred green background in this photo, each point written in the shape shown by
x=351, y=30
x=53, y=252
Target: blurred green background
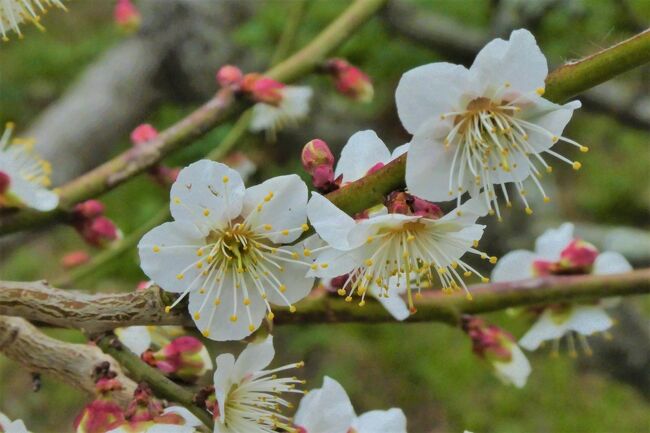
x=428, y=370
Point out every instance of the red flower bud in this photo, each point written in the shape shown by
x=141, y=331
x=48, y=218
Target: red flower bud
x=578, y=254
x=74, y=259
x=323, y=179
x=127, y=16
x=263, y=89
x=143, y=134
x=99, y=231
x=488, y=341
x=230, y=76
x=315, y=154
x=5, y=181
x=185, y=358
x=88, y=209
x=350, y=80
x=425, y=208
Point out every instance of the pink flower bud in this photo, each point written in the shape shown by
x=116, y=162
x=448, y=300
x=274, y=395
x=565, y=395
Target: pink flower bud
x=185, y=358
x=578, y=255
x=144, y=406
x=263, y=89
x=127, y=16
x=323, y=178
x=488, y=341
x=425, y=208
x=316, y=153
x=230, y=76
x=88, y=209
x=350, y=80
x=5, y=181
x=74, y=259
x=143, y=134
x=102, y=414
x=99, y=231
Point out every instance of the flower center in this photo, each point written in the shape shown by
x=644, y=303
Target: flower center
x=491, y=141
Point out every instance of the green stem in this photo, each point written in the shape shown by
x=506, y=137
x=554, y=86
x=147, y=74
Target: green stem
x=161, y=385
x=291, y=27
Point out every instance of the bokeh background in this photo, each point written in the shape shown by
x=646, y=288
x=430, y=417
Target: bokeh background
x=83, y=85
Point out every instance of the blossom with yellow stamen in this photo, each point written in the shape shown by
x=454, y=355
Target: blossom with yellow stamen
x=250, y=397
x=484, y=127
x=233, y=261
x=15, y=12
x=24, y=176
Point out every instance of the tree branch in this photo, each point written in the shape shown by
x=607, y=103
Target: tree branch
x=135, y=160
x=40, y=303
x=71, y=363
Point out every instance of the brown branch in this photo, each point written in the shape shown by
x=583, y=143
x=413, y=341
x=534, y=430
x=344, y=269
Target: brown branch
x=40, y=303
x=71, y=363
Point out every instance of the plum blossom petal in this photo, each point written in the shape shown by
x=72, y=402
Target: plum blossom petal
x=255, y=357
x=331, y=223
x=8, y=426
x=514, y=266
x=551, y=243
x=381, y=421
x=136, y=338
x=325, y=410
x=293, y=107
x=515, y=371
x=611, y=262
x=392, y=301
x=400, y=150
x=363, y=150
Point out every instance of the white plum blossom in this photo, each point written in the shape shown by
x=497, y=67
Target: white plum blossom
x=292, y=107
x=394, y=303
x=482, y=127
x=249, y=397
x=516, y=370
x=8, y=426
x=15, y=12
x=329, y=410
x=24, y=176
x=558, y=252
x=226, y=248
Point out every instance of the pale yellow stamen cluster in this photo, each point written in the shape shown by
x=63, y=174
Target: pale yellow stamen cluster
x=15, y=12
x=24, y=159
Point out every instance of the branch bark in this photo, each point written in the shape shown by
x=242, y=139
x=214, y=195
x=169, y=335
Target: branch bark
x=40, y=303
x=71, y=363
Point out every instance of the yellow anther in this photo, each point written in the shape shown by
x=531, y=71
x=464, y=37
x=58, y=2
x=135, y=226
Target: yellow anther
x=199, y=252
x=168, y=309
x=361, y=290
x=307, y=252
x=217, y=301
x=233, y=318
x=508, y=204
x=454, y=265
x=324, y=265
x=156, y=249
x=469, y=296
x=370, y=239
x=202, y=291
x=493, y=260
x=491, y=212
x=362, y=303
x=206, y=333
x=292, y=308
x=459, y=213
x=410, y=238
x=199, y=265
x=268, y=197
x=467, y=274
x=547, y=199
x=295, y=255
x=247, y=301
x=259, y=208
x=180, y=276
x=475, y=244
x=341, y=292
x=539, y=91
x=225, y=179
x=528, y=211
x=177, y=200
x=268, y=227
x=348, y=299
x=314, y=266
x=485, y=279
x=576, y=165
x=270, y=316
x=584, y=149
x=251, y=327
x=285, y=232
x=282, y=288
x=197, y=315
x=206, y=212
x=369, y=262
x=555, y=138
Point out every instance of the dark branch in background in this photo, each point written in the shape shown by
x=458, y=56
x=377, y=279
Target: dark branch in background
x=40, y=303
x=459, y=44
x=73, y=364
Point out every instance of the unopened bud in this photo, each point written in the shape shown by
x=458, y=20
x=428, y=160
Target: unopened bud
x=88, y=209
x=315, y=154
x=5, y=182
x=230, y=76
x=578, y=255
x=488, y=341
x=350, y=80
x=425, y=208
x=74, y=259
x=263, y=89
x=143, y=134
x=99, y=231
x=185, y=358
x=323, y=179
x=127, y=16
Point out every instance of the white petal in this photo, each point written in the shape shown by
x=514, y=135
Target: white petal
x=518, y=61
x=588, y=319
x=394, y=304
x=332, y=263
x=33, y=195
x=544, y=329
x=285, y=209
x=611, y=262
x=221, y=327
x=552, y=117
x=208, y=194
x=293, y=107
x=189, y=417
x=265, y=117
x=170, y=428
x=362, y=151
x=429, y=164
x=136, y=338
x=371, y=226
x=381, y=421
x=168, y=251
x=399, y=151
x=470, y=211
x=223, y=381
x=428, y=91
x=325, y=410
x=516, y=371
x=330, y=222
x=514, y=266
x=8, y=426
x=551, y=243
x=293, y=277
x=255, y=357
